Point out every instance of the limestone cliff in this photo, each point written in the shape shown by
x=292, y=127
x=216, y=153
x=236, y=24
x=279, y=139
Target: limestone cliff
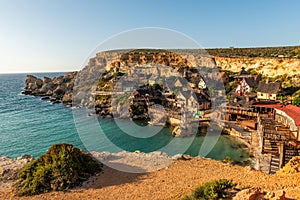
x=284, y=70
x=271, y=67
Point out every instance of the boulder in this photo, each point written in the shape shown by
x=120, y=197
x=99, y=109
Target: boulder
x=67, y=98
x=58, y=93
x=26, y=92
x=58, y=80
x=46, y=80
x=69, y=85
x=249, y=194
x=31, y=86
x=277, y=195
x=32, y=82
x=177, y=131
x=46, y=87
x=9, y=168
x=39, y=83
x=29, y=79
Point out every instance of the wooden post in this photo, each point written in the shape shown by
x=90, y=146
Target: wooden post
x=281, y=154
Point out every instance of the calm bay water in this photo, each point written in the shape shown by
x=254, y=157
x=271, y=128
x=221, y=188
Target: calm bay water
x=29, y=125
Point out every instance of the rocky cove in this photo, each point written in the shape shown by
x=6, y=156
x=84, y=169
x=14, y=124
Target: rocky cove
x=103, y=85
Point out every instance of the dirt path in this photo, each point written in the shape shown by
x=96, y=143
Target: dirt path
x=170, y=183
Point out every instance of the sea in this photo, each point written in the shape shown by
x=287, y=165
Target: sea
x=29, y=125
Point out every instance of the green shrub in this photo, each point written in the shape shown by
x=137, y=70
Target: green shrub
x=137, y=109
x=116, y=74
x=62, y=167
x=211, y=190
x=156, y=86
x=228, y=160
x=296, y=101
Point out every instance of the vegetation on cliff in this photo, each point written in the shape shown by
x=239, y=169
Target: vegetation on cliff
x=62, y=167
x=296, y=100
x=212, y=190
x=266, y=52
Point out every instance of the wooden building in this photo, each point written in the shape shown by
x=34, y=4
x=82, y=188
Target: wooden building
x=268, y=91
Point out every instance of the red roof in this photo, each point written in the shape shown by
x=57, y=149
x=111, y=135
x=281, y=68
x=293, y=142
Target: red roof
x=290, y=110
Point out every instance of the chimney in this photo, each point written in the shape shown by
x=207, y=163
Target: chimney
x=267, y=81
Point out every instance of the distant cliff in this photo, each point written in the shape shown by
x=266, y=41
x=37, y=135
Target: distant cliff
x=284, y=70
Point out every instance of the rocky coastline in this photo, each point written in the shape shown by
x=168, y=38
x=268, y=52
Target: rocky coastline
x=58, y=89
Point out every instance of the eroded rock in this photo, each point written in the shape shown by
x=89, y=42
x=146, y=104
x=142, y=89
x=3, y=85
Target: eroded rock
x=9, y=168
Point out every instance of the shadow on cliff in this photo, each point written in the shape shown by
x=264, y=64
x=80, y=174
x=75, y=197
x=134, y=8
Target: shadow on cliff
x=113, y=177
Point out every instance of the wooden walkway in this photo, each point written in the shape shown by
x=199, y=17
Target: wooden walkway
x=104, y=93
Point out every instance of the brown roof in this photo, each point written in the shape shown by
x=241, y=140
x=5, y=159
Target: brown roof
x=251, y=82
x=270, y=88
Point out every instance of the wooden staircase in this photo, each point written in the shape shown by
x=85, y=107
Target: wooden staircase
x=274, y=165
x=271, y=147
x=290, y=152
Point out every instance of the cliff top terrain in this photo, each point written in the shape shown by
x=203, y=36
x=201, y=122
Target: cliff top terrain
x=173, y=182
x=265, y=52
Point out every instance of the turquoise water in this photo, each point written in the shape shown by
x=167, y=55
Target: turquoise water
x=29, y=125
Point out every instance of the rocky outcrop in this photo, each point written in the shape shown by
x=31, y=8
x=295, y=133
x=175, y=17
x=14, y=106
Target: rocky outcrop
x=9, y=169
x=257, y=193
x=59, y=88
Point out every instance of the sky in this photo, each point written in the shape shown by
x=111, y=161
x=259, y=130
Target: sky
x=59, y=35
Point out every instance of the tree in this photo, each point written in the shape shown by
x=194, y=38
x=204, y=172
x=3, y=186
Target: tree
x=156, y=86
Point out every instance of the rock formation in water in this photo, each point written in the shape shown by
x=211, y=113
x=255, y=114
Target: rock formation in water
x=59, y=88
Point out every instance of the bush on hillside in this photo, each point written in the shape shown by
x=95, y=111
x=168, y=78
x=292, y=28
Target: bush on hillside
x=62, y=167
x=212, y=190
x=296, y=101
x=137, y=109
